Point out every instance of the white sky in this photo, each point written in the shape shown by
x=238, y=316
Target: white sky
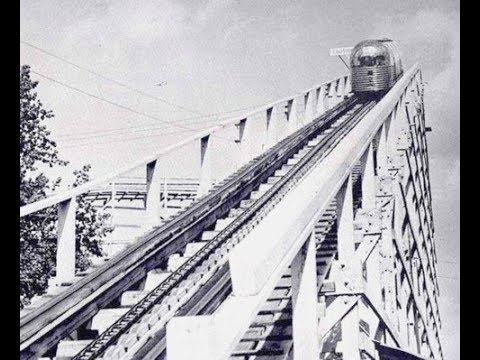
x=217, y=56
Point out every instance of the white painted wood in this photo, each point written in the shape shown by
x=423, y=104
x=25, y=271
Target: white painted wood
x=257, y=262
x=348, y=85
x=113, y=203
x=65, y=266
x=154, y=185
x=57, y=198
x=345, y=236
x=337, y=309
x=349, y=346
x=321, y=98
x=310, y=106
x=292, y=117
x=165, y=193
x=332, y=95
x=271, y=127
x=205, y=166
x=245, y=140
x=308, y=199
x=102, y=320
x=214, y=337
x=368, y=180
x=340, y=90
x=382, y=167
x=304, y=302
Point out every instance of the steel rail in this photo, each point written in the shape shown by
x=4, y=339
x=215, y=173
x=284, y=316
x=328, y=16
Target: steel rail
x=241, y=226
x=149, y=250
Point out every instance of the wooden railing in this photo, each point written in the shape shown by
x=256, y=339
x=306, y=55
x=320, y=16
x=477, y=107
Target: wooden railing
x=275, y=121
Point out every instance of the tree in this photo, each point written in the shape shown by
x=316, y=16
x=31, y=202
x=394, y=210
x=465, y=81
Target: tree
x=38, y=239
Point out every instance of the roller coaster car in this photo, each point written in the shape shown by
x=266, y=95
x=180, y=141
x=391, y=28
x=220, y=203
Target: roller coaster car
x=375, y=66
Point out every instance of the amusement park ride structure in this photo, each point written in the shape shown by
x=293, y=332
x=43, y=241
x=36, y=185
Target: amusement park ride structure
x=317, y=242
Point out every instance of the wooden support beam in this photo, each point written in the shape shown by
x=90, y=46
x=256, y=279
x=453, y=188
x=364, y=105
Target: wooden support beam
x=244, y=139
x=112, y=203
x=310, y=106
x=271, y=133
x=65, y=266
x=337, y=310
x=368, y=180
x=332, y=95
x=154, y=184
x=345, y=236
x=165, y=193
x=340, y=90
x=350, y=344
x=292, y=117
x=382, y=164
x=321, y=98
x=205, y=166
x=304, y=302
x=348, y=85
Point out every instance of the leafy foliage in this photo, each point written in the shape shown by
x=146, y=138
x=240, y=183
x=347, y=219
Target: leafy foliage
x=38, y=238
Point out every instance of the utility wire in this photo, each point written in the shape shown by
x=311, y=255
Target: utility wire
x=129, y=131
x=131, y=88
x=132, y=139
x=124, y=139
x=120, y=137
x=110, y=79
x=173, y=123
x=111, y=131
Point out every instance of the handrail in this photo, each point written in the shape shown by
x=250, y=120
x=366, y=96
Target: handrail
x=71, y=193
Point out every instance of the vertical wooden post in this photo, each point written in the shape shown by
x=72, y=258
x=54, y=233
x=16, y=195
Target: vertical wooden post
x=350, y=339
x=368, y=180
x=345, y=235
x=205, y=166
x=112, y=212
x=418, y=332
x=320, y=109
x=382, y=150
x=392, y=131
x=152, y=203
x=300, y=103
x=403, y=313
x=304, y=302
x=401, y=115
x=310, y=106
x=277, y=123
x=244, y=141
x=347, y=261
x=374, y=283
x=348, y=85
x=66, y=241
x=388, y=264
x=340, y=90
x=271, y=128
x=291, y=117
x=332, y=95
x=412, y=340
x=165, y=192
